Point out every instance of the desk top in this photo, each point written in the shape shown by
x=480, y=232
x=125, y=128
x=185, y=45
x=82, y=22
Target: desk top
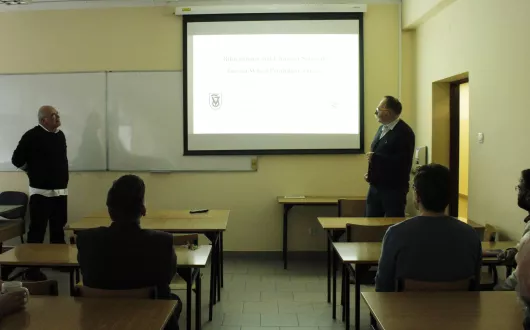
x=168, y=221
x=446, y=310
x=51, y=313
x=316, y=200
x=65, y=255
x=369, y=253
x=341, y=222
x=7, y=208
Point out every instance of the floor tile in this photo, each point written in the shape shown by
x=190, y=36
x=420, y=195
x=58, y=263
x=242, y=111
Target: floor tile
x=261, y=307
x=276, y=296
x=242, y=319
x=290, y=320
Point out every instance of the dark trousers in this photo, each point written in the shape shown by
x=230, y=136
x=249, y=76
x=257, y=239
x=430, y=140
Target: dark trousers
x=43, y=209
x=384, y=202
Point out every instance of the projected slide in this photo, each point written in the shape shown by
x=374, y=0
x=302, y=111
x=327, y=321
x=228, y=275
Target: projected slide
x=273, y=85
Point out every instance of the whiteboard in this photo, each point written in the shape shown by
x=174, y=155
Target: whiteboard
x=79, y=98
x=145, y=126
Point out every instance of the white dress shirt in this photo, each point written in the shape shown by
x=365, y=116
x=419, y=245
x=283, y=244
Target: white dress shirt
x=388, y=127
x=45, y=192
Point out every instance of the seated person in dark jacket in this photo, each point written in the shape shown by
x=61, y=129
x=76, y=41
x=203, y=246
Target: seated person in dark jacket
x=124, y=256
x=431, y=247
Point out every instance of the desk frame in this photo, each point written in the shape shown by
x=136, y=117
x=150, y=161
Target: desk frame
x=289, y=203
x=358, y=270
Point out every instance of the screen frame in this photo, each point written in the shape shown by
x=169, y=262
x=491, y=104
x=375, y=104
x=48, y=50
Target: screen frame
x=272, y=17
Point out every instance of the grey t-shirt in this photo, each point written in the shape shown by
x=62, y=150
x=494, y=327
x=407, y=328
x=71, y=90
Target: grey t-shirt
x=428, y=249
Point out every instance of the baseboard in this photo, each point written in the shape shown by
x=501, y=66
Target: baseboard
x=268, y=255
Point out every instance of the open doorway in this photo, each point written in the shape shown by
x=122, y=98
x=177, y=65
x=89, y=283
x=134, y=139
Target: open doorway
x=459, y=147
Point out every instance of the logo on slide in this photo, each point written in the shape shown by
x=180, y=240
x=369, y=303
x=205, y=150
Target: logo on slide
x=216, y=100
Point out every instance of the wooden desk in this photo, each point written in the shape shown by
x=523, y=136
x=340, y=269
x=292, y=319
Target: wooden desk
x=446, y=310
x=65, y=255
x=289, y=203
x=335, y=227
x=364, y=255
x=211, y=224
x=51, y=313
x=168, y=221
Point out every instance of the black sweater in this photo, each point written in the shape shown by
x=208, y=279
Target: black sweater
x=42, y=155
x=392, y=159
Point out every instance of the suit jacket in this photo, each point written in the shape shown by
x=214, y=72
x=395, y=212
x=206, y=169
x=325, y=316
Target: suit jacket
x=392, y=159
x=124, y=256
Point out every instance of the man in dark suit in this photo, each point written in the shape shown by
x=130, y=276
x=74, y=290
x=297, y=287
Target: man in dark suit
x=389, y=162
x=124, y=256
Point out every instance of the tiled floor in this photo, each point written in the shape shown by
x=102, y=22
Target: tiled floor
x=260, y=294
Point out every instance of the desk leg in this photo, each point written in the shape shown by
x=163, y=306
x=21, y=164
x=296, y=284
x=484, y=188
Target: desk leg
x=333, y=236
x=328, y=243
x=218, y=267
x=215, y=269
x=198, y=317
x=286, y=209
x=334, y=293
x=347, y=297
x=343, y=291
x=189, y=286
x=213, y=290
x=72, y=283
x=360, y=271
x=221, y=259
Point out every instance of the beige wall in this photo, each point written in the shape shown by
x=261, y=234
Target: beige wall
x=488, y=39
x=463, y=165
x=150, y=39
x=416, y=12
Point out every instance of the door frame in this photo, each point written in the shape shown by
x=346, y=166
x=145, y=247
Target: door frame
x=454, y=143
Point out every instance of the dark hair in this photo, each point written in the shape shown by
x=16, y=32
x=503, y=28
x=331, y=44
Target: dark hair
x=431, y=184
x=393, y=104
x=125, y=200
x=525, y=179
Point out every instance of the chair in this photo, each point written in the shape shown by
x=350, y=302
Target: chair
x=491, y=277
x=142, y=293
x=16, y=198
x=183, y=239
x=178, y=283
x=404, y=285
x=42, y=288
x=357, y=233
x=352, y=208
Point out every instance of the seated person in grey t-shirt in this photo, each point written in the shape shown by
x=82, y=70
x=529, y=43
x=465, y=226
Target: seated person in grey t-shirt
x=432, y=246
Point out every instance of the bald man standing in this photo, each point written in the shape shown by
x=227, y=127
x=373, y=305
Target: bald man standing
x=41, y=153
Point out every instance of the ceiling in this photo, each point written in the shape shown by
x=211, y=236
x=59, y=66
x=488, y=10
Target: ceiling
x=85, y=4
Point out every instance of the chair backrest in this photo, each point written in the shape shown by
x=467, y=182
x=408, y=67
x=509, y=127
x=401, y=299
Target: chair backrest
x=183, y=239
x=42, y=288
x=413, y=285
x=14, y=198
x=490, y=233
x=357, y=233
x=352, y=208
x=142, y=293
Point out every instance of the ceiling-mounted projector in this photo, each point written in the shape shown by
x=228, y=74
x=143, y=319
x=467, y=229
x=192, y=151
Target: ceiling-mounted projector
x=264, y=9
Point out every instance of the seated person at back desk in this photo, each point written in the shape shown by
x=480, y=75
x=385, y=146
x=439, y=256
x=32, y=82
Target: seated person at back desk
x=124, y=256
x=523, y=276
x=431, y=247
x=509, y=256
